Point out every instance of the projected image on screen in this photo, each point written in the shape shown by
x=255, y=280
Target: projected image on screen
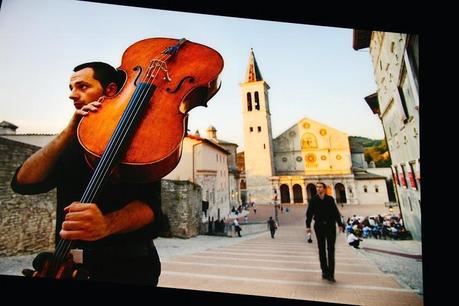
x=194, y=151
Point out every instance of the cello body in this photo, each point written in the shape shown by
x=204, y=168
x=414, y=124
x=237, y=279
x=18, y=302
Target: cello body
x=188, y=79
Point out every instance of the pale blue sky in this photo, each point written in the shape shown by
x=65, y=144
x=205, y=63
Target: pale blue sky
x=312, y=70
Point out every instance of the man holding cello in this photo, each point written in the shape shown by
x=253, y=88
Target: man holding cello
x=114, y=237
x=107, y=217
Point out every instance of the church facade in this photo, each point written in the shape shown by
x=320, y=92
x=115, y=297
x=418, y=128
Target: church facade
x=285, y=169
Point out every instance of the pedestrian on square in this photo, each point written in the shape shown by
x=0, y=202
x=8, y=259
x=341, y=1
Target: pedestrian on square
x=272, y=226
x=237, y=227
x=353, y=240
x=322, y=208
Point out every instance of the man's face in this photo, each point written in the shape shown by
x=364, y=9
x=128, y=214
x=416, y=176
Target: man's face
x=84, y=88
x=320, y=188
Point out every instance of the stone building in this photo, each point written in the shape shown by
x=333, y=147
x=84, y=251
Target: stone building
x=286, y=168
x=8, y=131
x=7, y=128
x=259, y=165
x=395, y=59
x=357, y=154
x=205, y=163
x=233, y=171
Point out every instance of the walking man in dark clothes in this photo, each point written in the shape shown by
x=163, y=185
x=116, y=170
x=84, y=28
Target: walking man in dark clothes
x=322, y=208
x=272, y=226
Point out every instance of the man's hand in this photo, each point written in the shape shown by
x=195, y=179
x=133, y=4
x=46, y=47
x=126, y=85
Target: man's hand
x=91, y=106
x=83, y=111
x=308, y=230
x=341, y=229
x=84, y=222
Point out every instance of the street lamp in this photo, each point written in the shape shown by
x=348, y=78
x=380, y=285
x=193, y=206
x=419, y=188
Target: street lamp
x=275, y=205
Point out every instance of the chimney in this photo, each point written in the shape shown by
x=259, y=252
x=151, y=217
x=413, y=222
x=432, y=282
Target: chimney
x=211, y=132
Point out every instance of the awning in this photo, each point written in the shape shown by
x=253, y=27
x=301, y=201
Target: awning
x=361, y=39
x=373, y=103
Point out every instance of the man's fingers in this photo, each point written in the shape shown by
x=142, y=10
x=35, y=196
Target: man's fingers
x=77, y=206
x=71, y=235
x=81, y=112
x=76, y=216
x=91, y=107
x=96, y=103
x=73, y=225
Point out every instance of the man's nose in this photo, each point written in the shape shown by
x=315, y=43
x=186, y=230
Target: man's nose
x=73, y=95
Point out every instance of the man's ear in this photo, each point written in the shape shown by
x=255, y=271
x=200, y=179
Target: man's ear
x=111, y=89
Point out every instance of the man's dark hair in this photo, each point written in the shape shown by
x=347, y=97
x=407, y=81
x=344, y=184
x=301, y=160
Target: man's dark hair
x=103, y=72
x=323, y=184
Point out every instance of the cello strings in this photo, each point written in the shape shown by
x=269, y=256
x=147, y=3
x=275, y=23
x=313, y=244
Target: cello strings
x=131, y=115
x=117, y=141
x=136, y=105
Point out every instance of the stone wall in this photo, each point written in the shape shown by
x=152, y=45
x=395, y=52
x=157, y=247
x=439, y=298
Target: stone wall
x=260, y=189
x=27, y=222
x=182, y=206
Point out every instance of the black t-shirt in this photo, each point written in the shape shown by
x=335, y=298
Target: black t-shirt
x=323, y=210
x=71, y=176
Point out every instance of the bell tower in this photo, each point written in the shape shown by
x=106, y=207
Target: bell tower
x=258, y=147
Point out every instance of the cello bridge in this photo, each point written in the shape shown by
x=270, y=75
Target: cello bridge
x=157, y=65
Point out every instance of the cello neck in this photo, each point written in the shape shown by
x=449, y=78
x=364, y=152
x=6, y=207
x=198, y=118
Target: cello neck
x=174, y=49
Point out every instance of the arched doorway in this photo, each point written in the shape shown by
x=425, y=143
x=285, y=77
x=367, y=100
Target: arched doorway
x=243, y=188
x=311, y=190
x=297, y=194
x=243, y=185
x=285, y=194
x=340, y=193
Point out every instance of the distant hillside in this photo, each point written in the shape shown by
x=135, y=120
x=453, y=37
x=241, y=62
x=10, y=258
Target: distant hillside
x=366, y=142
x=375, y=150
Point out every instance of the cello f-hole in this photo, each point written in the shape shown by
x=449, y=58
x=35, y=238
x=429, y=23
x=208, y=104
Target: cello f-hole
x=190, y=78
x=139, y=69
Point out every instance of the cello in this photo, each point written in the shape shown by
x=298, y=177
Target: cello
x=137, y=135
